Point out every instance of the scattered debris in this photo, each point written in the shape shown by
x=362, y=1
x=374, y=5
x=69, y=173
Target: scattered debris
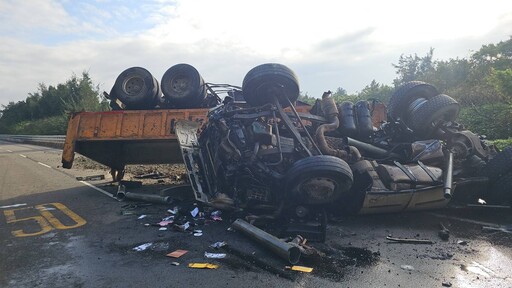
x=407, y=267
x=215, y=255
x=184, y=227
x=142, y=247
x=164, y=223
x=177, y=254
x=194, y=212
x=142, y=216
x=122, y=195
x=175, y=263
x=127, y=212
x=300, y=268
x=409, y=240
x=300, y=242
x=218, y=245
x=154, y=175
x=284, y=250
x=443, y=233
x=173, y=211
x=91, y=178
x=162, y=229
x=198, y=234
x=462, y=242
x=447, y=284
x=215, y=215
x=131, y=184
x=203, y=266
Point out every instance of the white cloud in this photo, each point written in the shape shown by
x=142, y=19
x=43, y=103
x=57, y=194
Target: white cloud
x=328, y=44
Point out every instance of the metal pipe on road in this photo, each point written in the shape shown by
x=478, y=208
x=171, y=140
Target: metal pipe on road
x=284, y=250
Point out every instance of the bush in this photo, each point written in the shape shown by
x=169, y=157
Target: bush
x=502, y=143
x=56, y=125
x=491, y=120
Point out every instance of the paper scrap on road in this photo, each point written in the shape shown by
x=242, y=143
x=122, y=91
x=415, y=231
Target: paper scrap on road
x=143, y=246
x=203, y=266
x=177, y=254
x=300, y=268
x=215, y=255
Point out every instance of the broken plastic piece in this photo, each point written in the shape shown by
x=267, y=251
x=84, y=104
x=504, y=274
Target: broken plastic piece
x=215, y=255
x=409, y=241
x=183, y=227
x=177, y=254
x=142, y=247
x=164, y=223
x=300, y=268
x=203, y=266
x=175, y=263
x=162, y=228
x=168, y=218
x=142, y=216
x=218, y=245
x=91, y=178
x=198, y=234
x=194, y=212
x=173, y=211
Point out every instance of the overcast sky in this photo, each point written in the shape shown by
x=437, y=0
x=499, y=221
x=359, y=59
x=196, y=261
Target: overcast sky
x=328, y=44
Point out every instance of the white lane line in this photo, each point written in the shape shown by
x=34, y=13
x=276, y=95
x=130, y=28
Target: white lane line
x=23, y=156
x=9, y=151
x=13, y=206
x=48, y=166
x=98, y=189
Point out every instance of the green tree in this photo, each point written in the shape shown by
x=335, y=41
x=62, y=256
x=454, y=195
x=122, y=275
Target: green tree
x=45, y=109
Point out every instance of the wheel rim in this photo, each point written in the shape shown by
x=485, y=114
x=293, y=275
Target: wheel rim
x=318, y=189
x=180, y=85
x=133, y=85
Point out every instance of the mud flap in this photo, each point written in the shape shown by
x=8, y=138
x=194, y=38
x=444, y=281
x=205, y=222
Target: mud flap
x=186, y=131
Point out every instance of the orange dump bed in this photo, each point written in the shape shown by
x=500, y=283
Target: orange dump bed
x=117, y=138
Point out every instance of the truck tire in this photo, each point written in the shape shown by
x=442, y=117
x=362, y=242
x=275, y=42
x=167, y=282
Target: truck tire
x=136, y=88
x=318, y=179
x=499, y=165
x=406, y=94
x=426, y=117
x=183, y=86
x=266, y=82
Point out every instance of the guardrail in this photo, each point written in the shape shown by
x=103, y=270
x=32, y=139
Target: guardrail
x=54, y=141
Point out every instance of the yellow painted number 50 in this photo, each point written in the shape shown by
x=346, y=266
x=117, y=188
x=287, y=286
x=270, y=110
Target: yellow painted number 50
x=46, y=220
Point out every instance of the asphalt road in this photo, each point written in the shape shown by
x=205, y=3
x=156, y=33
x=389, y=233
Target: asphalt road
x=56, y=231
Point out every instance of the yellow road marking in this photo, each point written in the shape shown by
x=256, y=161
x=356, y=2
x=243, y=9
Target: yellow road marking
x=11, y=218
x=55, y=222
x=47, y=221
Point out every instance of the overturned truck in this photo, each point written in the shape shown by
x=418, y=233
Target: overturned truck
x=259, y=154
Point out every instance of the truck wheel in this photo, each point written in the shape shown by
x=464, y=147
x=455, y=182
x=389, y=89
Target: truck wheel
x=407, y=94
x=136, y=88
x=183, y=86
x=266, y=82
x=318, y=179
x=499, y=165
x=425, y=118
x=501, y=191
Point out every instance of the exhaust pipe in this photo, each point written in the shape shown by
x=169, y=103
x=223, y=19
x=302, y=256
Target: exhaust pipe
x=122, y=195
x=284, y=250
x=448, y=176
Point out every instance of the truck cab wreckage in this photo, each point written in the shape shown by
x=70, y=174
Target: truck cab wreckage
x=257, y=155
